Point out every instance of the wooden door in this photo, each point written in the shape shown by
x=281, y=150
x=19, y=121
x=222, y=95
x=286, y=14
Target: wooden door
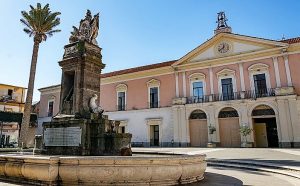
x=229, y=132
x=261, y=139
x=198, y=132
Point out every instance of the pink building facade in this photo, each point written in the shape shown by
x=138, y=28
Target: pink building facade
x=228, y=84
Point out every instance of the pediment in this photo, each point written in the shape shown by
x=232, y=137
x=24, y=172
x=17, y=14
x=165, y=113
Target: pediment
x=227, y=44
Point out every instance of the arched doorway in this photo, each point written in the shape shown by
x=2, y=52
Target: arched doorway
x=198, y=129
x=229, y=128
x=265, y=127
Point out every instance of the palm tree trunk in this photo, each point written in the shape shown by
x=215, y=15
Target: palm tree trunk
x=27, y=111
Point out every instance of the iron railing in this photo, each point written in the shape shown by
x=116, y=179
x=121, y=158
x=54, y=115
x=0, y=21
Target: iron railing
x=250, y=94
x=121, y=107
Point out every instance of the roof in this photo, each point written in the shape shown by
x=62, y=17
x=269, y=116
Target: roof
x=49, y=87
x=292, y=40
x=137, y=69
x=12, y=85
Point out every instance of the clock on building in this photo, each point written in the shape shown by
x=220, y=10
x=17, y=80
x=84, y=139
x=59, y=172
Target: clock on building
x=223, y=47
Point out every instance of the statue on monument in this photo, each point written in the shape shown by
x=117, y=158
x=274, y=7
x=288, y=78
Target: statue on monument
x=88, y=29
x=94, y=108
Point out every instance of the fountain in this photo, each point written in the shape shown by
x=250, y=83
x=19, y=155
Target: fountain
x=81, y=146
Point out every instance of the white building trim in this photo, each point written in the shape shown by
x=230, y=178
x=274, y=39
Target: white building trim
x=276, y=69
x=211, y=81
x=154, y=121
x=121, y=88
x=259, y=68
x=184, y=84
x=287, y=70
x=242, y=78
x=176, y=85
x=197, y=77
x=152, y=84
x=224, y=74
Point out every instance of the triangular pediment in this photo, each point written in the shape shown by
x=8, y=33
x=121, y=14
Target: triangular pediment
x=227, y=44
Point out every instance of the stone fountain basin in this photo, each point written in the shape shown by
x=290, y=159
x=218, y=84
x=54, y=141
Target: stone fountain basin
x=103, y=170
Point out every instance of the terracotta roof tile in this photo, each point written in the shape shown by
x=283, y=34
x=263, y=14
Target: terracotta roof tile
x=137, y=69
x=292, y=40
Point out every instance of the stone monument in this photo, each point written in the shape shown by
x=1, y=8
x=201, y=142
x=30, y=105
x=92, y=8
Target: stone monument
x=80, y=128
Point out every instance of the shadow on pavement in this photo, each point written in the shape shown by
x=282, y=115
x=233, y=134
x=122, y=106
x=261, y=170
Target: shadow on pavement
x=292, y=163
x=213, y=179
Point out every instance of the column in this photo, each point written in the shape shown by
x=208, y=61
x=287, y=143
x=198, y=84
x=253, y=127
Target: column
x=283, y=124
x=211, y=80
x=177, y=84
x=184, y=84
x=295, y=125
x=242, y=78
x=276, y=69
x=287, y=70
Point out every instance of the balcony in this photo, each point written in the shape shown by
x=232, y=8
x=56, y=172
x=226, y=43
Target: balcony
x=250, y=94
x=9, y=99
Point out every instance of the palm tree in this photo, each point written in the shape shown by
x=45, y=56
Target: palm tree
x=39, y=23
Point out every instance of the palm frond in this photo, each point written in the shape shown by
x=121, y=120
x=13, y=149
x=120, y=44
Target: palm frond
x=28, y=31
x=40, y=21
x=50, y=33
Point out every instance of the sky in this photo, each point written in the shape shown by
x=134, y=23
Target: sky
x=135, y=32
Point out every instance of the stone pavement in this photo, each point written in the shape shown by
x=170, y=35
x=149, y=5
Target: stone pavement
x=287, y=158
x=220, y=176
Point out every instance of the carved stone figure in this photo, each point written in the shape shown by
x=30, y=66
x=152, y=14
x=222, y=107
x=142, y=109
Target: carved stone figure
x=88, y=29
x=94, y=108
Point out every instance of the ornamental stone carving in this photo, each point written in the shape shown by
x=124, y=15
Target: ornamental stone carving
x=225, y=72
x=196, y=76
x=121, y=88
x=258, y=67
x=88, y=29
x=153, y=83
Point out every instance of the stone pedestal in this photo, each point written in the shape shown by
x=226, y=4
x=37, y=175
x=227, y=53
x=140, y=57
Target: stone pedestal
x=82, y=137
x=81, y=69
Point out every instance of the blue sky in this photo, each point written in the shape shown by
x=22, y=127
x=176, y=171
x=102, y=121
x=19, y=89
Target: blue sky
x=136, y=32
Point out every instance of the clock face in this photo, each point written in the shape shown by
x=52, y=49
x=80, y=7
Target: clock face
x=223, y=47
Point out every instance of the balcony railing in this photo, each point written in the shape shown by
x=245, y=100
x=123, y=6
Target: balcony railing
x=154, y=104
x=9, y=99
x=121, y=107
x=251, y=94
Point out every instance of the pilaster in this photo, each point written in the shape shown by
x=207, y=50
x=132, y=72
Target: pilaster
x=276, y=69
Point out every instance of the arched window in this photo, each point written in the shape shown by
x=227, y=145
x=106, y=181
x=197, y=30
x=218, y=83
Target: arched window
x=198, y=114
x=228, y=112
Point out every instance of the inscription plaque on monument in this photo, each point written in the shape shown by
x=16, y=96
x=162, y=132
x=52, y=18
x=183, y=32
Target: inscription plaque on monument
x=69, y=136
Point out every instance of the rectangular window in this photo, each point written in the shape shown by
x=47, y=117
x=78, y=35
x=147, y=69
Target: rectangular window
x=154, y=97
x=154, y=138
x=50, y=108
x=9, y=93
x=198, y=91
x=260, y=85
x=121, y=101
x=227, y=89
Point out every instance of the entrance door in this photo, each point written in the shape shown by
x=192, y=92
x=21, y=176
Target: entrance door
x=268, y=131
x=261, y=139
x=230, y=132
x=198, y=132
x=154, y=135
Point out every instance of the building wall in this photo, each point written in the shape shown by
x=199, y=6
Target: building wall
x=45, y=98
x=294, y=63
x=137, y=93
x=173, y=119
x=137, y=124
